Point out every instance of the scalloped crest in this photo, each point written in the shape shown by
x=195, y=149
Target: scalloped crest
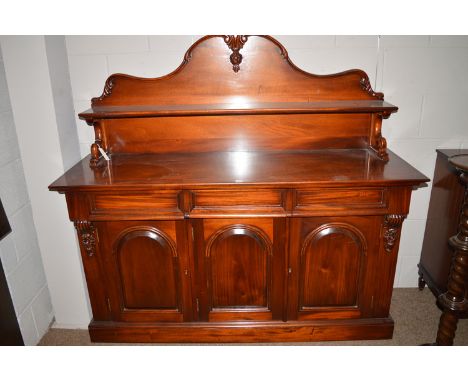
x=219, y=68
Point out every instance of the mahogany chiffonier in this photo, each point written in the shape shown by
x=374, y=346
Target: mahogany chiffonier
x=239, y=199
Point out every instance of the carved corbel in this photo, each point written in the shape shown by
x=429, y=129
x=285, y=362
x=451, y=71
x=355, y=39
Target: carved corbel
x=392, y=228
x=235, y=43
x=378, y=142
x=87, y=236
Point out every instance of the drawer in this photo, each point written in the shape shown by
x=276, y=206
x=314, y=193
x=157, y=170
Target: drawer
x=346, y=201
x=131, y=206
x=237, y=202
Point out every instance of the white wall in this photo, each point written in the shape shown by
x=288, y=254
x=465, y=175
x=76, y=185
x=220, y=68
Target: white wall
x=19, y=250
x=426, y=76
x=37, y=75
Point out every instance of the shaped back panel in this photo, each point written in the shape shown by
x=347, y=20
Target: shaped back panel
x=207, y=75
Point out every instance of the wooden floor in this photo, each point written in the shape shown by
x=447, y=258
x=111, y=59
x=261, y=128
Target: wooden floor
x=415, y=314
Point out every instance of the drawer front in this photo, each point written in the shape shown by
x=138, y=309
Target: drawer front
x=237, y=202
x=330, y=200
x=130, y=206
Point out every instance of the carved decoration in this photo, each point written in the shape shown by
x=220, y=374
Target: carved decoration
x=94, y=155
x=382, y=148
x=235, y=43
x=380, y=143
x=392, y=227
x=87, y=236
x=366, y=86
x=107, y=90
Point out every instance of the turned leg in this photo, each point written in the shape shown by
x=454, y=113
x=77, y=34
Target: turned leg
x=453, y=302
x=421, y=282
x=447, y=328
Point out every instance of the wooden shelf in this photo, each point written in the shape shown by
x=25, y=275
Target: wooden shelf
x=243, y=108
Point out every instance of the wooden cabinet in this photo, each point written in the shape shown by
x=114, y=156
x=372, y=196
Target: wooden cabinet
x=244, y=200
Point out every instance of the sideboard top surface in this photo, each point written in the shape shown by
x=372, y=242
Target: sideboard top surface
x=273, y=169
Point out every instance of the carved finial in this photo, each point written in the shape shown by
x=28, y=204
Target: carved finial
x=392, y=226
x=87, y=236
x=366, y=86
x=235, y=43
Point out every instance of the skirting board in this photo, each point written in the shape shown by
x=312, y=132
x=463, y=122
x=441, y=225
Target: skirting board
x=244, y=332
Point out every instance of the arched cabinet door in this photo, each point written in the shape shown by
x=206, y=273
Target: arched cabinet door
x=148, y=271
x=330, y=264
x=241, y=268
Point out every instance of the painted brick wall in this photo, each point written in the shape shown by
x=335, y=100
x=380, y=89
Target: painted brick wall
x=19, y=250
x=426, y=76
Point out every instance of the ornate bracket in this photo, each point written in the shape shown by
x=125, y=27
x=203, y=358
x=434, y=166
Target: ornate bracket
x=379, y=143
x=382, y=148
x=392, y=227
x=87, y=236
x=235, y=43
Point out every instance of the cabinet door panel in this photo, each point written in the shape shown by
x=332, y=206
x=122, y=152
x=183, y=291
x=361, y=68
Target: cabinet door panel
x=144, y=262
x=330, y=259
x=148, y=270
x=238, y=259
x=330, y=267
x=240, y=268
